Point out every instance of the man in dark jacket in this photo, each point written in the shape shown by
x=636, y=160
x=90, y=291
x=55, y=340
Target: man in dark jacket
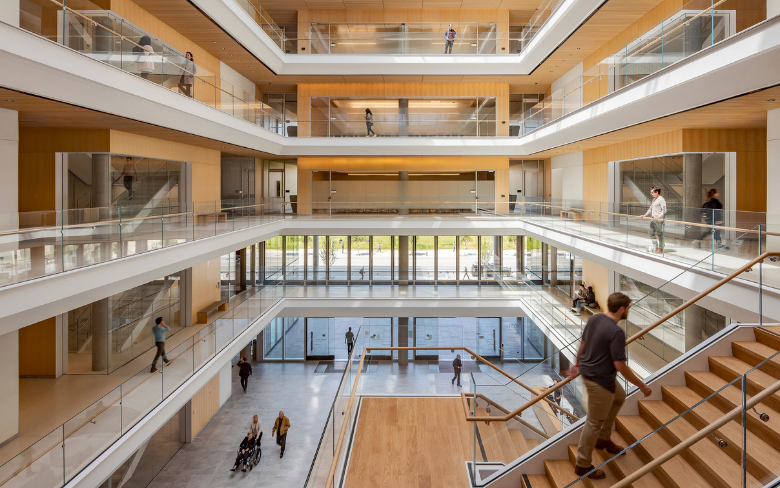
x=244, y=451
x=457, y=365
x=244, y=371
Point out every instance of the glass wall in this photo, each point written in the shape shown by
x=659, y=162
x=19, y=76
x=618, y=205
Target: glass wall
x=273, y=259
x=359, y=258
x=447, y=258
x=381, y=256
x=424, y=258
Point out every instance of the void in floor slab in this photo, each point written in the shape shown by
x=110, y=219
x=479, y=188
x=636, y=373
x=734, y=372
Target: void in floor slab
x=335, y=367
x=468, y=367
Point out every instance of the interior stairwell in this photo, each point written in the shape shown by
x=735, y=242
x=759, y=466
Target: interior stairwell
x=701, y=396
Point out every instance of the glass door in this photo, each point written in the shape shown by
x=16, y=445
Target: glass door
x=489, y=337
x=320, y=336
x=426, y=334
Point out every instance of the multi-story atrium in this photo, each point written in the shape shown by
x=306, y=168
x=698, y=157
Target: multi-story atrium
x=352, y=197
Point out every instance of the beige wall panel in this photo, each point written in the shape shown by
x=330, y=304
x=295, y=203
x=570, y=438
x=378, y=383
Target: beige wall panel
x=596, y=276
x=38, y=349
x=204, y=404
x=127, y=143
x=205, y=285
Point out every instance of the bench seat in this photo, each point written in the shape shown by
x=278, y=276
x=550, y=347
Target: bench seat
x=203, y=315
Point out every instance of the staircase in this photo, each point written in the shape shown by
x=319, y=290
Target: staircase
x=714, y=461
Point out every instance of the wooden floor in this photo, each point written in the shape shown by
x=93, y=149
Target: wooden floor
x=411, y=442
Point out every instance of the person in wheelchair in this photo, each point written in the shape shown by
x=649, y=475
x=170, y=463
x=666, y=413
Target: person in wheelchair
x=254, y=457
x=245, y=450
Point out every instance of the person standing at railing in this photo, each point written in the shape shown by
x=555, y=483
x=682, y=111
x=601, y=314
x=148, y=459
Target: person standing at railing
x=187, y=78
x=159, y=331
x=129, y=174
x=145, y=62
x=457, y=366
x=656, y=212
x=369, y=123
x=712, y=211
x=281, y=426
x=449, y=36
x=602, y=354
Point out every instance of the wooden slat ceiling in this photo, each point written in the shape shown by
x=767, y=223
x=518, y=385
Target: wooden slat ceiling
x=611, y=19
x=745, y=112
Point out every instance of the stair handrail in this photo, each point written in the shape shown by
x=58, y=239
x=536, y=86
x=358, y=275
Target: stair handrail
x=649, y=467
x=465, y=396
x=638, y=335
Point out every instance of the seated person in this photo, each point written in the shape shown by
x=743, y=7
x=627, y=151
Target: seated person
x=581, y=295
x=590, y=300
x=244, y=451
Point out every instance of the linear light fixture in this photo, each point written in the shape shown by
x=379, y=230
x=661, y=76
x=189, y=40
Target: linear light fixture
x=434, y=174
x=372, y=174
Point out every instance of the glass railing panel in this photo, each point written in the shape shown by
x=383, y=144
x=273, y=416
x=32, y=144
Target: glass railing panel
x=181, y=367
x=94, y=429
x=40, y=465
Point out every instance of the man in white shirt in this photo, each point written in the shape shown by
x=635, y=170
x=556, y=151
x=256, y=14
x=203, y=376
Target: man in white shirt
x=656, y=212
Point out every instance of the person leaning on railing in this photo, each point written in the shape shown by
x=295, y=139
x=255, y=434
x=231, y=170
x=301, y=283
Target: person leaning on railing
x=656, y=211
x=601, y=355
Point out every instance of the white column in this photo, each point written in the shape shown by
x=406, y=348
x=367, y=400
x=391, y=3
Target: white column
x=9, y=160
x=9, y=385
x=9, y=12
x=773, y=175
x=772, y=8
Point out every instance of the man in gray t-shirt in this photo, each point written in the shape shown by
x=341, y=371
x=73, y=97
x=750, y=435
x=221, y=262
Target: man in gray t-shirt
x=601, y=355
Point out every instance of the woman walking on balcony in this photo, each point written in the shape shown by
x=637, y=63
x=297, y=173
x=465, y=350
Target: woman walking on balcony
x=369, y=123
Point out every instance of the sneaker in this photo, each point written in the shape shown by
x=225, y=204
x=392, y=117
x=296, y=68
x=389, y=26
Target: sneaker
x=168, y=362
x=723, y=246
x=598, y=474
x=572, y=310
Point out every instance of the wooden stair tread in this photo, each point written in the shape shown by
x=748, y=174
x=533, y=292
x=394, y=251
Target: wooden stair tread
x=597, y=459
x=705, y=383
x=531, y=443
x=729, y=368
x=770, y=336
x=496, y=440
x=763, y=460
x=536, y=481
x=560, y=472
x=628, y=463
x=754, y=353
x=520, y=442
x=707, y=458
x=674, y=473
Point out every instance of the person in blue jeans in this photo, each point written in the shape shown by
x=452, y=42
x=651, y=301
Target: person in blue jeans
x=159, y=330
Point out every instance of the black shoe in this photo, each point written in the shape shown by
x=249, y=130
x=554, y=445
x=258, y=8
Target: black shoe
x=281, y=455
x=233, y=468
x=154, y=370
x=460, y=385
x=244, y=390
x=243, y=470
x=453, y=381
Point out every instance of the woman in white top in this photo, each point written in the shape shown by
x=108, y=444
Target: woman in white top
x=145, y=63
x=256, y=427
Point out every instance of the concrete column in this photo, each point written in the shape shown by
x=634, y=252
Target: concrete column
x=403, y=116
x=520, y=256
x=101, y=186
x=694, y=326
x=315, y=260
x=9, y=145
x=545, y=262
x=403, y=193
x=772, y=8
x=553, y=266
x=185, y=296
x=241, y=272
x=253, y=267
x=498, y=257
x=9, y=13
x=100, y=325
x=403, y=340
x=773, y=173
x=692, y=194
x=403, y=260
x=9, y=385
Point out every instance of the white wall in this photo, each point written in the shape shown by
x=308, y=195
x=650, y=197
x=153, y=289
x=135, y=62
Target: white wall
x=9, y=12
x=9, y=166
x=772, y=8
x=225, y=382
x=566, y=173
x=235, y=78
x=572, y=75
x=9, y=385
x=773, y=175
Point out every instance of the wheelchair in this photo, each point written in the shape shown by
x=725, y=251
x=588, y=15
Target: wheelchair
x=254, y=457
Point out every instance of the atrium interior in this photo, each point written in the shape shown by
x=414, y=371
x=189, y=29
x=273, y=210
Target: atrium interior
x=382, y=227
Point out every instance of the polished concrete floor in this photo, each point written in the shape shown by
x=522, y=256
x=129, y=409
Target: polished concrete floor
x=306, y=397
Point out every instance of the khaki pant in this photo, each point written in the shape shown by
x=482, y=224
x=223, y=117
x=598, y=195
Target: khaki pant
x=603, y=407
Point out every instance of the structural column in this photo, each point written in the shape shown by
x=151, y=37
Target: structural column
x=315, y=260
x=692, y=194
x=773, y=174
x=545, y=263
x=100, y=324
x=241, y=278
x=9, y=384
x=520, y=258
x=553, y=266
x=403, y=340
x=403, y=260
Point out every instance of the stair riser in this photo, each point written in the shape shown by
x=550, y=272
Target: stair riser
x=768, y=338
x=754, y=388
x=753, y=359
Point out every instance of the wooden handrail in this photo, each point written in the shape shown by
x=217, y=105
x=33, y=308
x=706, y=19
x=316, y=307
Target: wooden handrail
x=466, y=396
x=649, y=467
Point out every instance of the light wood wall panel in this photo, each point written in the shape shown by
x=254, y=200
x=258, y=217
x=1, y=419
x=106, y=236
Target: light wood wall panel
x=596, y=276
x=154, y=26
x=203, y=406
x=205, y=285
x=396, y=16
x=401, y=90
x=38, y=349
x=749, y=144
x=403, y=163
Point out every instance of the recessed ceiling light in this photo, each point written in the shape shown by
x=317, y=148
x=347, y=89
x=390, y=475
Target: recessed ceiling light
x=215, y=42
x=223, y=48
x=770, y=100
x=12, y=101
